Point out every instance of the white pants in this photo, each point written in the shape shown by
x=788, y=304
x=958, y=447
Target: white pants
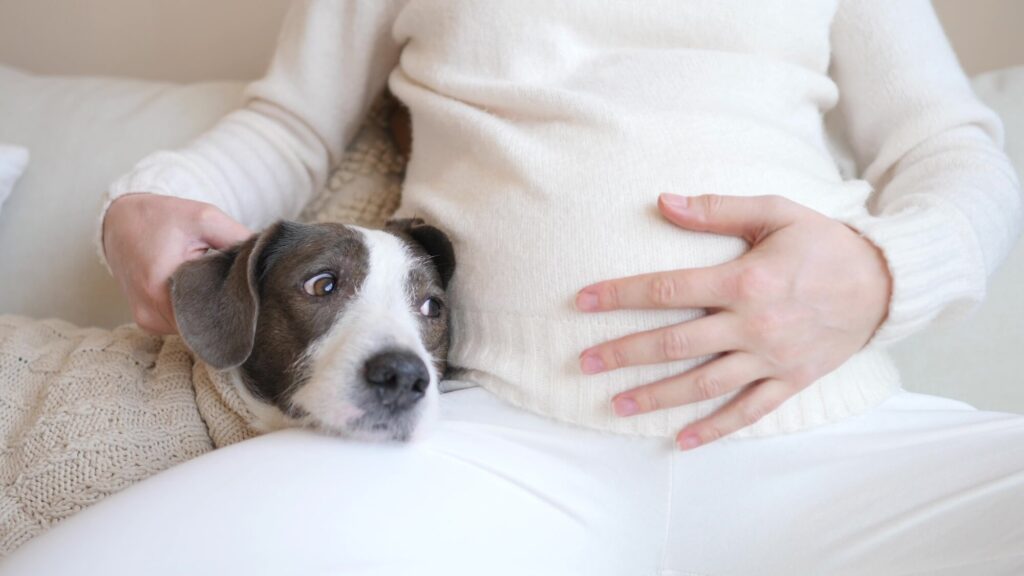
x=919, y=485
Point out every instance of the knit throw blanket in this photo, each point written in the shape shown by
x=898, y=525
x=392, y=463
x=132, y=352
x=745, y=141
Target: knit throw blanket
x=84, y=413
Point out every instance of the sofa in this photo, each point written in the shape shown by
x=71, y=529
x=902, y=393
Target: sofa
x=83, y=131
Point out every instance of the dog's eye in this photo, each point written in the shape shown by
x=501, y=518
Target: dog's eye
x=431, y=308
x=320, y=285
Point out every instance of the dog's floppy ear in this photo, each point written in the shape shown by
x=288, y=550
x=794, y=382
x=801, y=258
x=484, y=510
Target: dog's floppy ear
x=433, y=241
x=216, y=301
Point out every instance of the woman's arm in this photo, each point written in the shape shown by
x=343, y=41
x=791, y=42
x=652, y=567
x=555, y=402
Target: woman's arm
x=265, y=160
x=261, y=162
x=947, y=204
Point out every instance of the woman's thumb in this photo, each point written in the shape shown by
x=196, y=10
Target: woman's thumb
x=222, y=232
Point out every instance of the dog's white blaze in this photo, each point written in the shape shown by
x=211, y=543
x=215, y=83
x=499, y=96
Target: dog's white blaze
x=379, y=317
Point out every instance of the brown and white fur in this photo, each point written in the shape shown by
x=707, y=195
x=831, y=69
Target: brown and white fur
x=334, y=327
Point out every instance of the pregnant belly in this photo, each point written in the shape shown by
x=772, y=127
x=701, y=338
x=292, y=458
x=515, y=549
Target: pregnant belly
x=526, y=245
x=534, y=223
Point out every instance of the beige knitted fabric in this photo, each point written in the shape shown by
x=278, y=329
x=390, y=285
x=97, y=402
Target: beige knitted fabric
x=84, y=413
x=366, y=187
x=87, y=412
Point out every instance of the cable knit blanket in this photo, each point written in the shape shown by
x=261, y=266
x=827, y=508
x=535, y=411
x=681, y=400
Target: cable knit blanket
x=85, y=413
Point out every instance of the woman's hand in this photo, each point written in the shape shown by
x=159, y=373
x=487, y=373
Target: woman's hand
x=808, y=294
x=146, y=237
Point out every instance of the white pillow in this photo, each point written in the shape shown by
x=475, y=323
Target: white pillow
x=13, y=160
x=83, y=132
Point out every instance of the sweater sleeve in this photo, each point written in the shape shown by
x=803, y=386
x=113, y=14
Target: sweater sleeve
x=947, y=204
x=265, y=160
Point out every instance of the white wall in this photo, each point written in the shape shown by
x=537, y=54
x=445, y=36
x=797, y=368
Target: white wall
x=187, y=40
x=987, y=34
x=182, y=40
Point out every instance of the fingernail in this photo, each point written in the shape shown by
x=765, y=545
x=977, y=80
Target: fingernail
x=625, y=406
x=688, y=441
x=591, y=364
x=675, y=201
x=586, y=301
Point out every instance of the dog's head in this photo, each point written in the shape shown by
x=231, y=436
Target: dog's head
x=337, y=327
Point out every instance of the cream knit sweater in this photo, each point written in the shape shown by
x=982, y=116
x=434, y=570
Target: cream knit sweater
x=545, y=129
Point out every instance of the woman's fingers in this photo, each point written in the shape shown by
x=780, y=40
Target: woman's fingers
x=712, y=287
x=749, y=217
x=711, y=380
x=744, y=410
x=151, y=303
x=712, y=334
x=155, y=319
x=146, y=237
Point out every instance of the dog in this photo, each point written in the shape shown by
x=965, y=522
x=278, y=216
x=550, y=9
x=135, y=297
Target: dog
x=332, y=327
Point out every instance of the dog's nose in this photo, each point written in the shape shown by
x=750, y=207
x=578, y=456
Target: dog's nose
x=399, y=378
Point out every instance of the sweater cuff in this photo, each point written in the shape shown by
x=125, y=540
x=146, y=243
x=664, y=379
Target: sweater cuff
x=935, y=263
x=163, y=174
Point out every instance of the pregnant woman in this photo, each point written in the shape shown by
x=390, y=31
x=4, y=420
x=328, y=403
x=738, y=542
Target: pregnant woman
x=656, y=250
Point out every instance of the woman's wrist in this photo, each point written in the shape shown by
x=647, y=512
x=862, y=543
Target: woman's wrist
x=935, y=263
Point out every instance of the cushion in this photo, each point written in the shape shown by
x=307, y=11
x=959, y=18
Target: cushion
x=13, y=160
x=85, y=132
x=82, y=133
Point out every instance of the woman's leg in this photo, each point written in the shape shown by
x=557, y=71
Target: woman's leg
x=919, y=485
x=493, y=490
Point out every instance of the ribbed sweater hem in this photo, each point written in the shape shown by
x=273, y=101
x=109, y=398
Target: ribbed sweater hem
x=506, y=356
